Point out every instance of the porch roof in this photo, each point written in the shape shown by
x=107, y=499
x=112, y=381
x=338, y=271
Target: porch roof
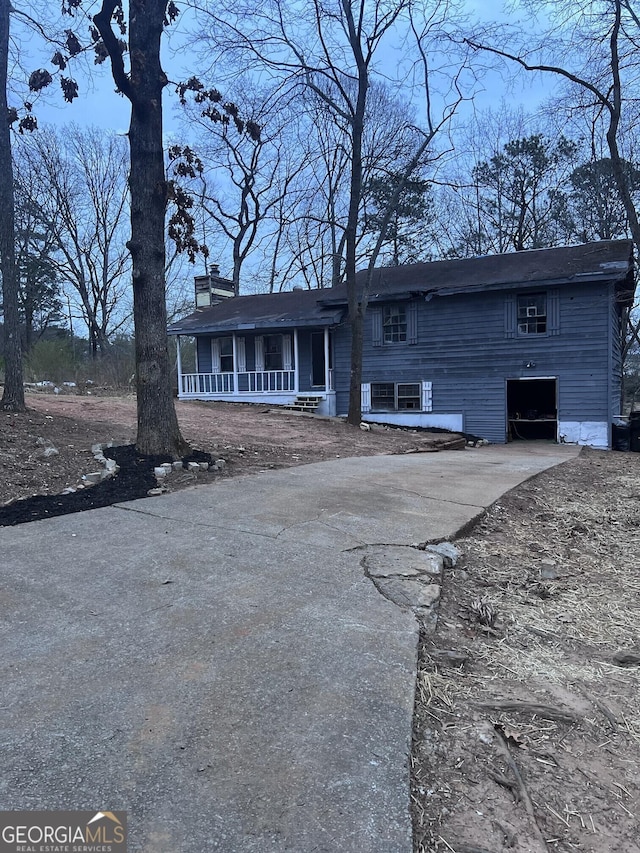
x=274, y=311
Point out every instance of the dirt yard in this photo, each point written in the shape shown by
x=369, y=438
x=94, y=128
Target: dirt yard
x=527, y=726
x=48, y=449
x=527, y=720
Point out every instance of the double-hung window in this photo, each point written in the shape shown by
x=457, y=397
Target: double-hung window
x=226, y=355
x=394, y=323
x=383, y=396
x=397, y=396
x=222, y=355
x=532, y=314
x=273, y=352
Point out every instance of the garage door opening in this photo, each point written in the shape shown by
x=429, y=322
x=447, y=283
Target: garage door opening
x=532, y=411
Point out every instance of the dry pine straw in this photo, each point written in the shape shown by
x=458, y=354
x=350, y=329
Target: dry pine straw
x=533, y=743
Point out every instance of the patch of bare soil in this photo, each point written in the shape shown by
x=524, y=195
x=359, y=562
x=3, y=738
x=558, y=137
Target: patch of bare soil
x=48, y=449
x=527, y=724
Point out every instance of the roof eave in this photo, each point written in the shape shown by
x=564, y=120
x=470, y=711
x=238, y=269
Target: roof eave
x=266, y=325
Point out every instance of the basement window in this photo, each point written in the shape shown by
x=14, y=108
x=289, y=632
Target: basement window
x=395, y=396
x=532, y=314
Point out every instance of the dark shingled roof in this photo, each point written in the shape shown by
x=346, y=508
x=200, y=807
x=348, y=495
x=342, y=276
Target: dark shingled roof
x=261, y=311
x=605, y=260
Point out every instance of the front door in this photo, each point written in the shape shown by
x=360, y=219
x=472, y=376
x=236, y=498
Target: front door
x=318, y=374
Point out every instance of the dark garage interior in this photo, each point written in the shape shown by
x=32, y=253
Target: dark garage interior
x=532, y=409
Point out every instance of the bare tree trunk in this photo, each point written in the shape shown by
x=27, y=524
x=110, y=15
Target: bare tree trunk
x=158, y=431
x=13, y=396
x=357, y=302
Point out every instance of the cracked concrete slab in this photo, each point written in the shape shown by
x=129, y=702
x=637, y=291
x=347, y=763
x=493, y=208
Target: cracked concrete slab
x=216, y=663
x=409, y=577
x=397, y=499
x=384, y=561
x=228, y=696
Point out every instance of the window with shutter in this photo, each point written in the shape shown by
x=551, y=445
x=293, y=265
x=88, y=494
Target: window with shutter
x=394, y=323
x=532, y=314
x=399, y=396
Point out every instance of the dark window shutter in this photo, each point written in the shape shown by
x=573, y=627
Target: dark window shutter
x=376, y=327
x=510, y=317
x=553, y=312
x=412, y=323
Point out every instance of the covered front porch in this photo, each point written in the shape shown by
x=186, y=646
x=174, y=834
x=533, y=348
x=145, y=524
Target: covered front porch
x=272, y=367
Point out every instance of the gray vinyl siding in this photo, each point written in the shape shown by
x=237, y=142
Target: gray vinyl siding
x=615, y=314
x=465, y=350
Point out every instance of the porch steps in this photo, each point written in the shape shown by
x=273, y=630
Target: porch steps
x=305, y=403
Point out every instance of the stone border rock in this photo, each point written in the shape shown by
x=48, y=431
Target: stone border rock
x=411, y=575
x=109, y=468
x=167, y=468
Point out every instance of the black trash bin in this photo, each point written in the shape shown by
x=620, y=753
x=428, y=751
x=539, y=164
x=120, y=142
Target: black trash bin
x=634, y=432
x=620, y=436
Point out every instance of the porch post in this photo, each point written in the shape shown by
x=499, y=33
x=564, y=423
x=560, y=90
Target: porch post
x=327, y=372
x=235, y=363
x=179, y=365
x=296, y=372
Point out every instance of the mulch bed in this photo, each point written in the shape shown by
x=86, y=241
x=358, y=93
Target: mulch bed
x=134, y=480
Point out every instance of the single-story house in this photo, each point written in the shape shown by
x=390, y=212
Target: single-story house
x=522, y=345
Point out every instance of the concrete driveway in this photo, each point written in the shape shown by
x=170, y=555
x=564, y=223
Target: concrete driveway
x=215, y=661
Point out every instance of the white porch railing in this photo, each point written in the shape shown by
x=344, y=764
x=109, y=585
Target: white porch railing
x=269, y=380
x=262, y=381
x=207, y=383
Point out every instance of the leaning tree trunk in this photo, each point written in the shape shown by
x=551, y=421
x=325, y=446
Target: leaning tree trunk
x=158, y=430
x=13, y=397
